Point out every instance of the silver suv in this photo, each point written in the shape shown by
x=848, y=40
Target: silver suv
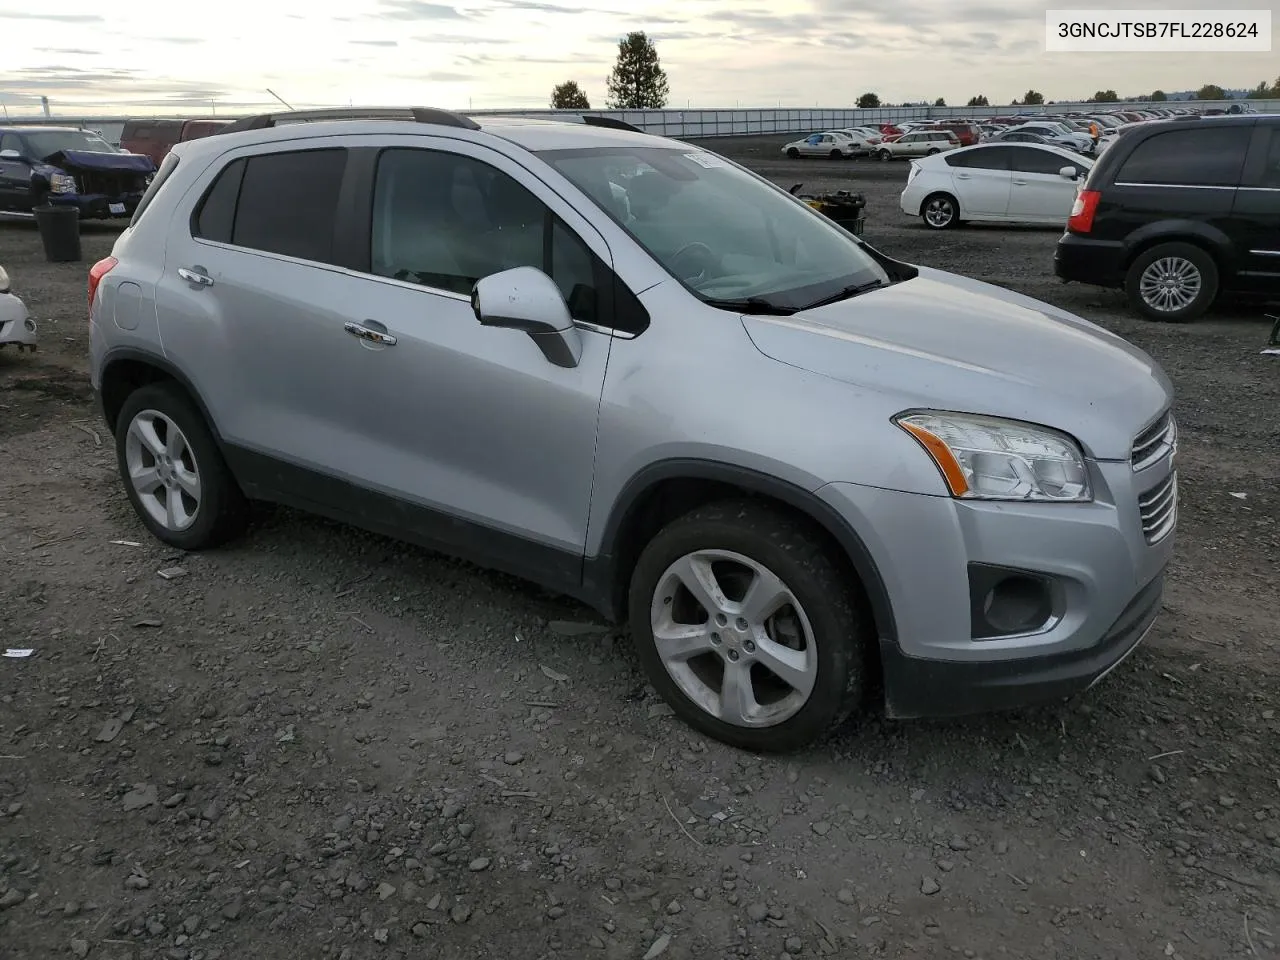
x=639, y=374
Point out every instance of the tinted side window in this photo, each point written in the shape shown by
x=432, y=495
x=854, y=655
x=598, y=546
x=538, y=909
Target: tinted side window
x=289, y=202
x=1204, y=157
x=445, y=221
x=987, y=158
x=1027, y=160
x=167, y=166
x=215, y=215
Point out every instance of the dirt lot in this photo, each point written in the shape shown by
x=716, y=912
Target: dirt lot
x=323, y=744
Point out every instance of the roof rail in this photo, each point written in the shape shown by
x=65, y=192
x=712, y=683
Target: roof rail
x=444, y=118
x=609, y=122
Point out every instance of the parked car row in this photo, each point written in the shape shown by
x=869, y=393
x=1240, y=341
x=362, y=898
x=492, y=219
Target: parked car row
x=1089, y=134
x=1176, y=213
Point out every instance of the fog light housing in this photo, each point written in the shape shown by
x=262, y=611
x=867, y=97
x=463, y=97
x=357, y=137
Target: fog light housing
x=1005, y=602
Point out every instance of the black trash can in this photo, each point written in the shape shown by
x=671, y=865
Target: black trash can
x=59, y=232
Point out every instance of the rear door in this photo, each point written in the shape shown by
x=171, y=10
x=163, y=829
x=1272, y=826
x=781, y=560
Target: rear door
x=1187, y=174
x=1256, y=216
x=982, y=178
x=1038, y=192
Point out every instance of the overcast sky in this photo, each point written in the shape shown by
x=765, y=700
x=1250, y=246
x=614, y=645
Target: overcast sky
x=183, y=56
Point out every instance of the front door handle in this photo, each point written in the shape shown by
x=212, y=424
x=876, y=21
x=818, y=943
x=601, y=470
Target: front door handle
x=1019, y=183
x=369, y=334
x=195, y=275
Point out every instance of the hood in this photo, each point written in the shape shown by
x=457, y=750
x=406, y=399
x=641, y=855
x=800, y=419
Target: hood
x=85, y=160
x=952, y=343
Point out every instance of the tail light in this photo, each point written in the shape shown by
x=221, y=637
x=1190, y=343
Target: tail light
x=1082, y=211
x=96, y=273
x=911, y=174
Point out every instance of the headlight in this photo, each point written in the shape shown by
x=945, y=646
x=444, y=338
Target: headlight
x=987, y=458
x=62, y=183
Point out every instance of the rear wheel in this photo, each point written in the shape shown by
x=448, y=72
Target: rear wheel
x=174, y=473
x=931, y=151
x=940, y=211
x=885, y=156
x=835, y=155
x=746, y=625
x=1172, y=282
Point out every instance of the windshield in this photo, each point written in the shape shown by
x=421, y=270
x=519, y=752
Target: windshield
x=46, y=143
x=723, y=233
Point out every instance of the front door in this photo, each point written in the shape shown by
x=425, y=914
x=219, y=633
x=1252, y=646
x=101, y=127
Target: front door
x=15, y=175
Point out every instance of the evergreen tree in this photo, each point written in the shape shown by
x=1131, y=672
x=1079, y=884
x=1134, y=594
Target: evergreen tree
x=638, y=80
x=569, y=96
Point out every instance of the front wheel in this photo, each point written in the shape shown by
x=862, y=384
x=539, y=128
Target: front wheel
x=1172, y=282
x=745, y=624
x=793, y=153
x=932, y=151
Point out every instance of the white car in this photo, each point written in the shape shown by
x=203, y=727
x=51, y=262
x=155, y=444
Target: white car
x=997, y=182
x=15, y=326
x=864, y=139
x=918, y=143
x=833, y=144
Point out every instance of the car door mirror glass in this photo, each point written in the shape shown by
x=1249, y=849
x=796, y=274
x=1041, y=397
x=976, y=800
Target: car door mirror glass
x=1067, y=173
x=10, y=155
x=526, y=299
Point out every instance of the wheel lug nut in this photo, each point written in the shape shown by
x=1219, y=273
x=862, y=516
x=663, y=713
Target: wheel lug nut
x=749, y=647
x=715, y=639
x=742, y=623
x=733, y=655
x=721, y=619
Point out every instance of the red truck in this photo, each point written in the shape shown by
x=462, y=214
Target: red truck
x=154, y=137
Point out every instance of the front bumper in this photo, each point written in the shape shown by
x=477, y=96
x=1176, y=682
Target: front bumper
x=16, y=326
x=95, y=206
x=915, y=687
x=953, y=645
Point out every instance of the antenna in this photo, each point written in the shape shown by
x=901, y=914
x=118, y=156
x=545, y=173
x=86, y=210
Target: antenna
x=278, y=97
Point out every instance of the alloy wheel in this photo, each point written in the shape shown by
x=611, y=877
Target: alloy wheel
x=734, y=638
x=1170, y=284
x=163, y=470
x=939, y=212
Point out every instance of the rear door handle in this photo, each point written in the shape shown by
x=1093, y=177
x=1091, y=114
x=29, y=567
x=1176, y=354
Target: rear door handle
x=964, y=176
x=195, y=275
x=368, y=333
x=1019, y=183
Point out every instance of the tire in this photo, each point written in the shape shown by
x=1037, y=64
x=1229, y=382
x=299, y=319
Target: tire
x=793, y=153
x=940, y=211
x=836, y=155
x=885, y=156
x=188, y=523
x=932, y=151
x=1185, y=262
x=834, y=661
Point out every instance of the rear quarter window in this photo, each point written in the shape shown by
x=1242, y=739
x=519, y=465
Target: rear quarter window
x=167, y=166
x=1202, y=157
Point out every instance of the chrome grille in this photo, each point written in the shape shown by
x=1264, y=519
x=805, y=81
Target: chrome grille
x=1154, y=442
x=1158, y=508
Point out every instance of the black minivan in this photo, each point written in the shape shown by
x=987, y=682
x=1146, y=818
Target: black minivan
x=1178, y=211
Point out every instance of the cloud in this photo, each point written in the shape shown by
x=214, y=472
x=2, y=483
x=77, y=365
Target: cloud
x=377, y=43
x=417, y=10
x=69, y=51
x=52, y=17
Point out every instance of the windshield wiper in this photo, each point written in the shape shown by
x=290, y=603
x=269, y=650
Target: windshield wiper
x=752, y=305
x=845, y=293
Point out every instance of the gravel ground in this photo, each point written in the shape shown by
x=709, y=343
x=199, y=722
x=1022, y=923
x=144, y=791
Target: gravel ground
x=324, y=744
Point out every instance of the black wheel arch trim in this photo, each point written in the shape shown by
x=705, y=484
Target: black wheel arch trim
x=600, y=572
x=164, y=365
x=1209, y=238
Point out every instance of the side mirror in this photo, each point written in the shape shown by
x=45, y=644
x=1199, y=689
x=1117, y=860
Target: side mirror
x=525, y=298
x=10, y=155
x=1067, y=173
